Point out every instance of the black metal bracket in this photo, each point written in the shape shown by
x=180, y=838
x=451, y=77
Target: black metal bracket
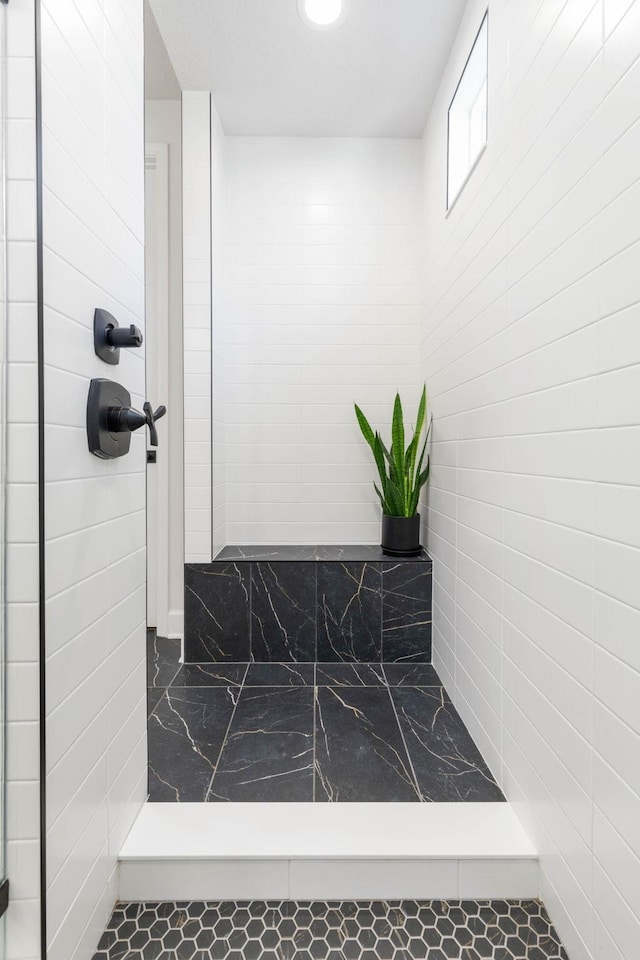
x=4, y=886
x=108, y=336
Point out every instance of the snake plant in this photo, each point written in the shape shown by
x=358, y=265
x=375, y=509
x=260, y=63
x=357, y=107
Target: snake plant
x=402, y=472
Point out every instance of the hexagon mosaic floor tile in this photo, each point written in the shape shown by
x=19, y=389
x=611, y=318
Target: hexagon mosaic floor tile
x=366, y=930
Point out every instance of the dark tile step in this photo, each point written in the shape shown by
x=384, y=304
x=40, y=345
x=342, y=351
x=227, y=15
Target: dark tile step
x=279, y=552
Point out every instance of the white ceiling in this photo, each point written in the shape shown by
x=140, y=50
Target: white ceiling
x=160, y=81
x=374, y=75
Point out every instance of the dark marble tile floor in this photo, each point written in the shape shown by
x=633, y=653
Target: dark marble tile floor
x=324, y=732
x=339, y=930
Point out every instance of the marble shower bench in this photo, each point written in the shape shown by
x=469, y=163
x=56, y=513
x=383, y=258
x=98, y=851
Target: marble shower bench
x=307, y=604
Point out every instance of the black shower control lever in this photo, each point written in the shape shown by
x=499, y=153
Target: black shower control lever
x=109, y=336
x=121, y=419
x=151, y=416
x=111, y=419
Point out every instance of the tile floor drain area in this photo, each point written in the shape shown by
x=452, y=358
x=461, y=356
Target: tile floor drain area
x=366, y=930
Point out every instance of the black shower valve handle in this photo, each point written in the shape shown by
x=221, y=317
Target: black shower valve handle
x=151, y=416
x=123, y=419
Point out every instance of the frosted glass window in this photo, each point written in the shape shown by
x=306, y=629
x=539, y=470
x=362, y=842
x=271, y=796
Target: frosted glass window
x=467, y=127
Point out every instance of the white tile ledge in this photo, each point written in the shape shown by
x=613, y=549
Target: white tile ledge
x=308, y=831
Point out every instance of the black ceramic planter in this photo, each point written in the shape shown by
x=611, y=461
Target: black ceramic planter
x=401, y=536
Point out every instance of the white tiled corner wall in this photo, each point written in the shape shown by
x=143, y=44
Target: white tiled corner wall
x=322, y=308
x=93, y=236
x=302, y=283
x=218, y=336
x=532, y=354
x=163, y=125
x=22, y=582
x=197, y=322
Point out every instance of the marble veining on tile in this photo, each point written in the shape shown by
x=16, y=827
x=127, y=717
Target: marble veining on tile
x=288, y=552
x=447, y=764
x=333, y=732
x=349, y=675
x=326, y=930
x=280, y=675
x=217, y=612
x=279, y=553
x=406, y=613
x=163, y=659
x=308, y=603
x=359, y=750
x=186, y=733
x=411, y=675
x=163, y=663
x=268, y=752
x=210, y=675
x=283, y=612
x=349, y=603
x=154, y=696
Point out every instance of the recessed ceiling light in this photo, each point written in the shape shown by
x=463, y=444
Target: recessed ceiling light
x=322, y=14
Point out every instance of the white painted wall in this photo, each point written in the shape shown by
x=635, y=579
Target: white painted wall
x=22, y=582
x=93, y=173
x=163, y=124
x=321, y=270
x=532, y=355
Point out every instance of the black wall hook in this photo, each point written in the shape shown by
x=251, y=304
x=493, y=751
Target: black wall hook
x=109, y=336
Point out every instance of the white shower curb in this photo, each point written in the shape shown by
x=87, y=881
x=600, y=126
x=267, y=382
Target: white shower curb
x=346, y=851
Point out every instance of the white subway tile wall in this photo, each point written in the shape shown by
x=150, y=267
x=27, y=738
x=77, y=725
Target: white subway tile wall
x=218, y=321
x=93, y=235
x=22, y=583
x=322, y=308
x=531, y=351
x=163, y=124
x=197, y=321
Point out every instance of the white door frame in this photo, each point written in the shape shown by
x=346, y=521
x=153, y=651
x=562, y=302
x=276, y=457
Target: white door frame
x=157, y=364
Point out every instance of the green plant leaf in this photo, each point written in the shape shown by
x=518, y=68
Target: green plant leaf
x=365, y=426
x=382, y=500
x=401, y=478
x=422, y=478
x=389, y=456
x=424, y=450
x=378, y=453
x=413, y=446
x=397, y=436
x=394, y=500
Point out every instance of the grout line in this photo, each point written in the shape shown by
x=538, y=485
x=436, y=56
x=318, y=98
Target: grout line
x=404, y=743
x=251, y=568
x=226, y=736
x=316, y=618
x=313, y=782
x=149, y=715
